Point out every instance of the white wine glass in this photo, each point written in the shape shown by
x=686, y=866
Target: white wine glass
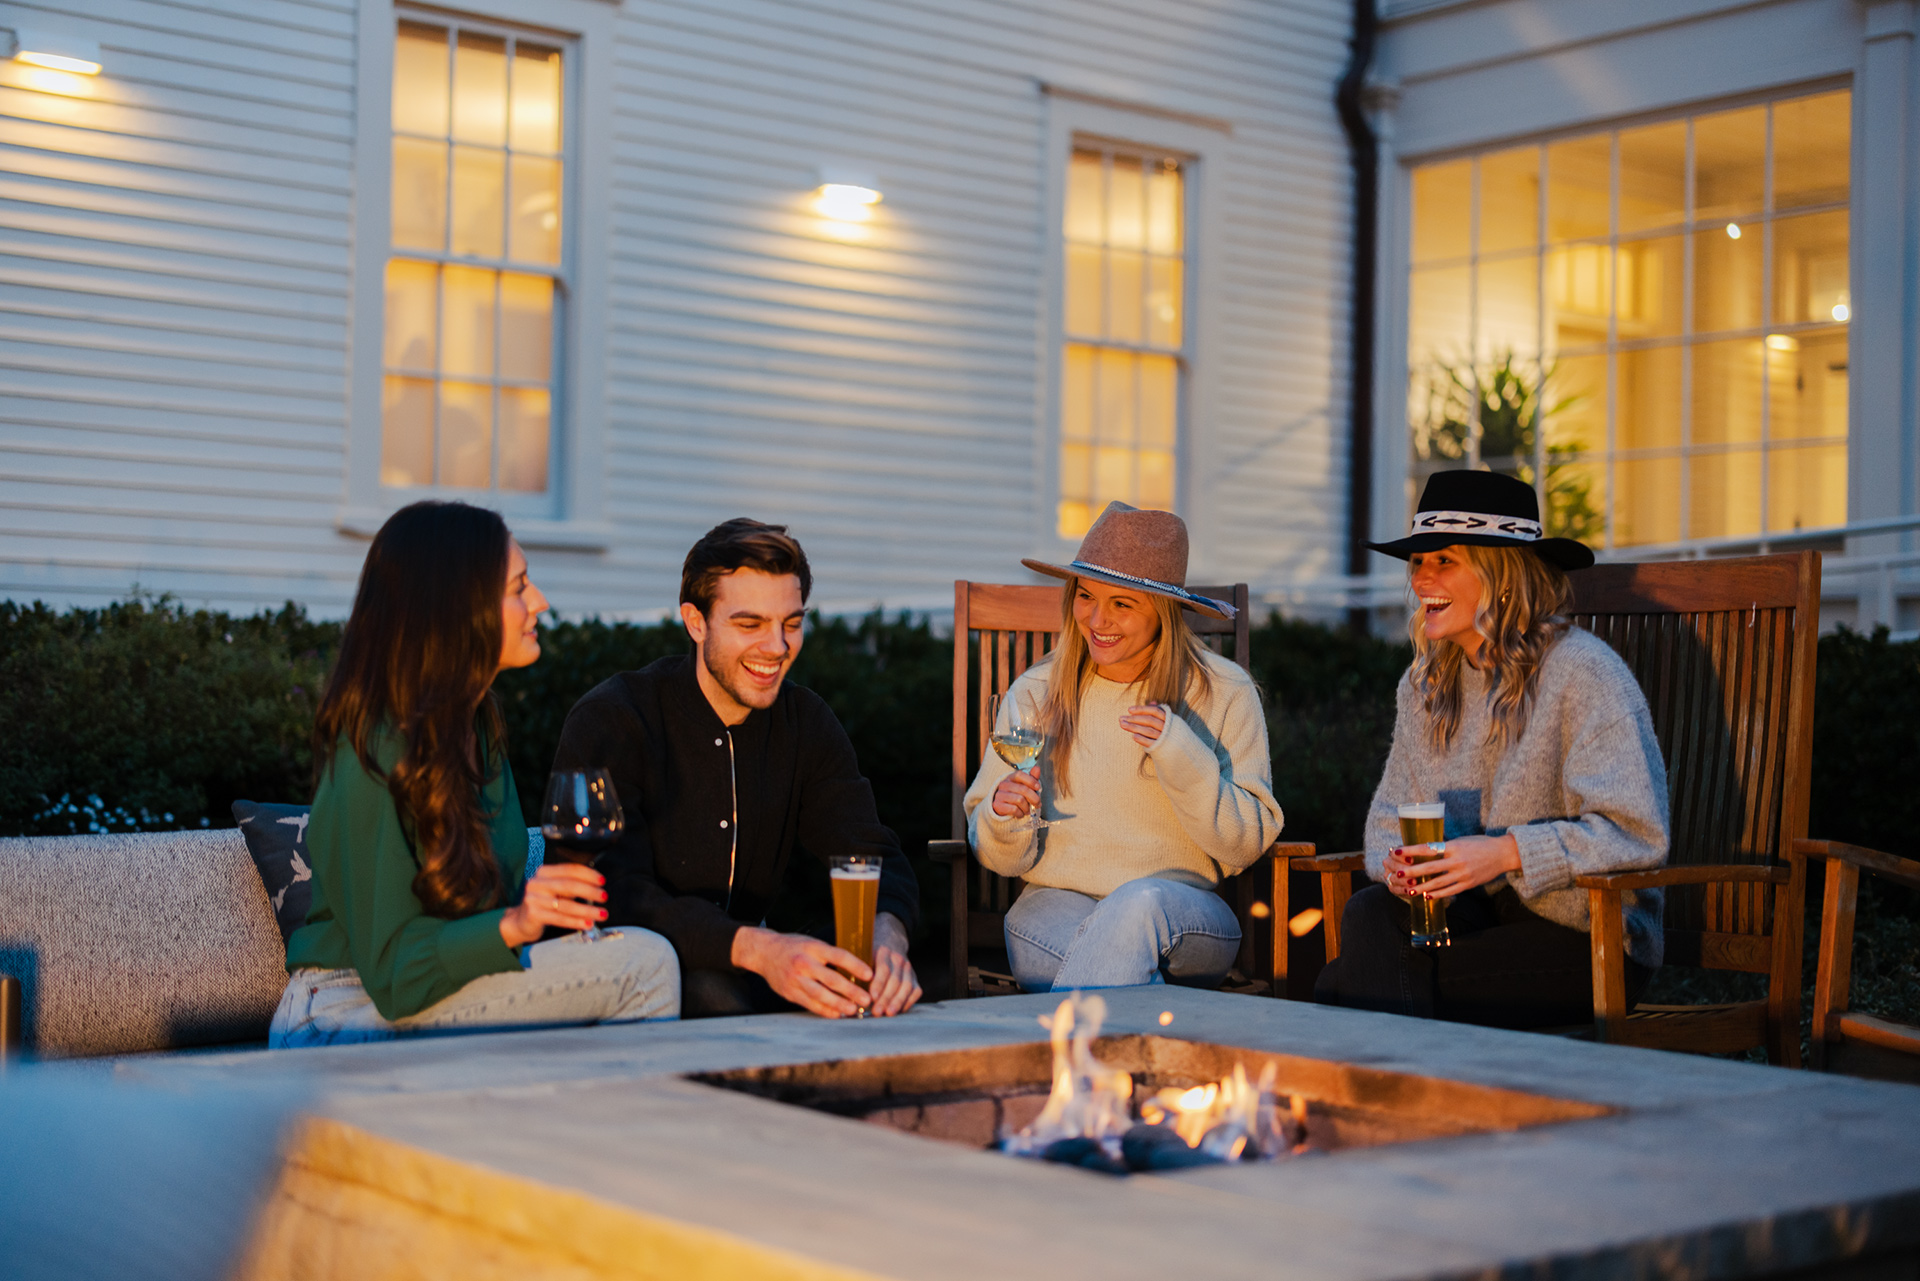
x=1018, y=743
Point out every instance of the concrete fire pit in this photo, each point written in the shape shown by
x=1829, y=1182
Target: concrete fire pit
x=593, y=1152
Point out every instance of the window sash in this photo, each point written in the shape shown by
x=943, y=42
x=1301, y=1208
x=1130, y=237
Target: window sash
x=1122, y=444
x=1451, y=268
x=504, y=388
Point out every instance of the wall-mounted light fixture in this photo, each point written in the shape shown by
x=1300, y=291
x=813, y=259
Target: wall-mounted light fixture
x=846, y=195
x=54, y=50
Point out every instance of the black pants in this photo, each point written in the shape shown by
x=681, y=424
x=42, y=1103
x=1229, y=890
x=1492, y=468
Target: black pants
x=1507, y=966
x=712, y=994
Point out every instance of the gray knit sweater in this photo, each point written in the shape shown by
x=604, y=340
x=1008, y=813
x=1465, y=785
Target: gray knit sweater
x=1583, y=790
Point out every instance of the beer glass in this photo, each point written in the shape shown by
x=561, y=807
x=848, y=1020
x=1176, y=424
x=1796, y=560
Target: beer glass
x=856, y=896
x=1421, y=826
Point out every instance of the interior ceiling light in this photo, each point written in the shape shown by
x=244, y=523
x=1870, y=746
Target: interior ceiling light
x=1733, y=230
x=54, y=50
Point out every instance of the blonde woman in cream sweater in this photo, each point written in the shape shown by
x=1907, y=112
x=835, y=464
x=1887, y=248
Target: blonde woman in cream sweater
x=1155, y=776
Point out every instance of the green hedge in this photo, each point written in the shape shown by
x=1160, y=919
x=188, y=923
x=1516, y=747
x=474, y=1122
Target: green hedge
x=148, y=715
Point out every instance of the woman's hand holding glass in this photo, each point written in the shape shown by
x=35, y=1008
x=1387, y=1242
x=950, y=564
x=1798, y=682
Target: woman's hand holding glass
x=566, y=895
x=1018, y=737
x=1464, y=862
x=1018, y=794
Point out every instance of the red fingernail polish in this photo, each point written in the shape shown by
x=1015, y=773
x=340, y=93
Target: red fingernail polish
x=601, y=915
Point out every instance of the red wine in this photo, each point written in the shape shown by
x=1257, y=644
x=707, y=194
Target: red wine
x=566, y=846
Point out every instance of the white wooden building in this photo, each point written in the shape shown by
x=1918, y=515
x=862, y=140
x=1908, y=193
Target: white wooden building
x=281, y=266
x=1695, y=220
x=198, y=353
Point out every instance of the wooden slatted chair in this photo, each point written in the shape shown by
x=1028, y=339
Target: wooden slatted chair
x=1000, y=630
x=1844, y=1041
x=1724, y=651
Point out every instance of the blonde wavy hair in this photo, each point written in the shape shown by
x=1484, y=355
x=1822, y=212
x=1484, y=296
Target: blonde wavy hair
x=1177, y=668
x=1522, y=612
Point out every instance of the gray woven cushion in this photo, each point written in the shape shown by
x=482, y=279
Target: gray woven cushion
x=139, y=941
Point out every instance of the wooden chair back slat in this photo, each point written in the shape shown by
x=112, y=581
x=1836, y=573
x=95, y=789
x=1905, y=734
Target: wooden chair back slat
x=1722, y=650
x=1000, y=630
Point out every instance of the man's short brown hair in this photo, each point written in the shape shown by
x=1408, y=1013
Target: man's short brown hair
x=740, y=543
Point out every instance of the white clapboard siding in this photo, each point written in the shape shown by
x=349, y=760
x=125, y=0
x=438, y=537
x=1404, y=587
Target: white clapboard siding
x=882, y=397
x=175, y=285
x=173, y=290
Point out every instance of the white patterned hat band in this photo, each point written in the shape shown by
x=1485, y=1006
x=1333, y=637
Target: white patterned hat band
x=1518, y=528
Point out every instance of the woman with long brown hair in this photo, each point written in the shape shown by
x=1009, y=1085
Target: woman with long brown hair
x=1154, y=776
x=1534, y=740
x=423, y=917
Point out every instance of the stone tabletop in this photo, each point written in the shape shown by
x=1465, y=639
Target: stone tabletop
x=1710, y=1168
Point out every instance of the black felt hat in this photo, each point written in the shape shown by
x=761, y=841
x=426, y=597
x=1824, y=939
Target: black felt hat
x=1485, y=509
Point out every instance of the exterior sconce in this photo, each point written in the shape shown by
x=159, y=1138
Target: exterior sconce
x=54, y=50
x=846, y=196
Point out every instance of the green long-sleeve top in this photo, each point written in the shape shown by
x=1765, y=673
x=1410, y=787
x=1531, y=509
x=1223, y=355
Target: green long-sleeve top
x=365, y=916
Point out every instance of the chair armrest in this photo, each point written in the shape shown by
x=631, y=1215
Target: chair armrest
x=1292, y=849
x=948, y=851
x=1354, y=862
x=1696, y=875
x=1892, y=866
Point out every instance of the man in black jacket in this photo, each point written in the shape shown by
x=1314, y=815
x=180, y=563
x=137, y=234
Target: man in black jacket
x=723, y=769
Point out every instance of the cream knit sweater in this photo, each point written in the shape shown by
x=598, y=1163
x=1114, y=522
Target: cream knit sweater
x=1194, y=807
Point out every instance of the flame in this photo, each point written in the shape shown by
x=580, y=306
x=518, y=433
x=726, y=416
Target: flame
x=1227, y=1119
x=1090, y=1099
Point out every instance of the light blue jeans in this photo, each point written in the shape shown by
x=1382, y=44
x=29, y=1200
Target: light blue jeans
x=630, y=975
x=1147, y=931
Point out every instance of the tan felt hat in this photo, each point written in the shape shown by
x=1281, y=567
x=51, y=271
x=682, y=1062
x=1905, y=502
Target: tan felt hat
x=1146, y=550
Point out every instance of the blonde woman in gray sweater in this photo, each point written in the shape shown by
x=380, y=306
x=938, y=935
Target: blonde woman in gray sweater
x=1536, y=739
x=1154, y=776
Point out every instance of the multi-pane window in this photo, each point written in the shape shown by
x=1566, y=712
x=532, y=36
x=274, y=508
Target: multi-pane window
x=1649, y=323
x=474, y=281
x=1124, y=316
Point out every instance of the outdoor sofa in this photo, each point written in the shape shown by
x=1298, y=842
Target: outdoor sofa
x=147, y=941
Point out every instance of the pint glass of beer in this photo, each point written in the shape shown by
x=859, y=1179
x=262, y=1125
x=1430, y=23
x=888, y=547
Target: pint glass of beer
x=1420, y=826
x=856, y=895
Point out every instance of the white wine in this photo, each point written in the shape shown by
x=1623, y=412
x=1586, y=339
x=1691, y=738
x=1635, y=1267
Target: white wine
x=1019, y=748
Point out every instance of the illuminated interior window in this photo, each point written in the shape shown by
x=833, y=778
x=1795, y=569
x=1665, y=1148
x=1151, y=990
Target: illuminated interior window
x=1123, y=354
x=1649, y=323
x=474, y=279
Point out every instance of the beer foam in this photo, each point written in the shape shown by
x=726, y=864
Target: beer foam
x=1429, y=809
x=855, y=874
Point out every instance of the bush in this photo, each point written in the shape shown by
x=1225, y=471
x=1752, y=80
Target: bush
x=1865, y=722
x=147, y=715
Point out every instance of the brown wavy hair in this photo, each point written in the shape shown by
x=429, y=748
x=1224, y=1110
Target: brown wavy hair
x=1176, y=668
x=1522, y=612
x=740, y=543
x=418, y=657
